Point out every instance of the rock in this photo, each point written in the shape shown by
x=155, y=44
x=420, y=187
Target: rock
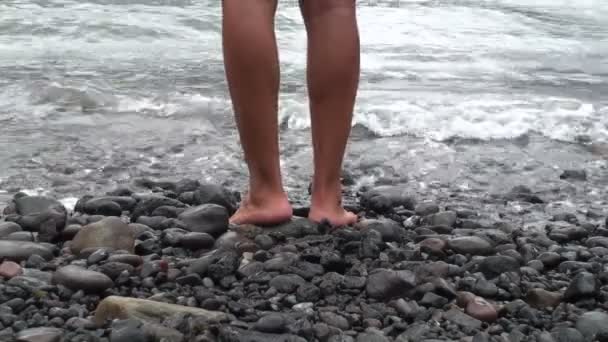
x=78, y=278
x=371, y=337
x=115, y=307
x=563, y=233
x=383, y=284
x=40, y=335
x=388, y=229
x=196, y=241
x=433, y=246
x=287, y=283
x=493, y=266
x=272, y=323
x=7, y=228
x=384, y=199
x=22, y=250
x=415, y=332
x=149, y=203
x=597, y=241
x=20, y=236
x=103, y=206
x=334, y=320
x=308, y=293
x=426, y=209
x=550, y=259
x=541, y=299
x=583, y=285
x=30, y=284
x=433, y=300
x=111, y=233
x=234, y=334
x=592, y=324
x=565, y=334
x=41, y=214
x=131, y=259
x=114, y=269
x=127, y=331
x=480, y=309
x=485, y=288
x=207, y=218
x=462, y=319
x=9, y=269
x=214, y=194
x=446, y=218
x=523, y=194
x=470, y=245
x=580, y=175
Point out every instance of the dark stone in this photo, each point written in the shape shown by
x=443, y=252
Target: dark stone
x=214, y=194
x=78, y=278
x=225, y=264
x=128, y=331
x=167, y=211
x=523, y=194
x=308, y=293
x=592, y=324
x=154, y=222
x=147, y=204
x=196, y=241
x=597, y=241
x=565, y=334
x=384, y=199
x=433, y=300
x=580, y=175
x=40, y=214
x=191, y=279
x=565, y=232
x=493, y=266
x=234, y=334
x=21, y=236
x=582, y=286
x=388, y=229
x=113, y=269
x=446, y=218
x=103, y=206
x=272, y=323
x=42, y=334
x=334, y=320
x=7, y=228
x=287, y=283
x=462, y=319
x=426, y=209
x=383, y=284
x=371, y=337
x=264, y=241
x=207, y=218
x=415, y=332
x=550, y=259
x=22, y=250
x=470, y=245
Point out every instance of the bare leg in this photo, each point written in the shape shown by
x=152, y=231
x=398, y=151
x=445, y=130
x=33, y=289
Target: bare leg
x=252, y=70
x=333, y=79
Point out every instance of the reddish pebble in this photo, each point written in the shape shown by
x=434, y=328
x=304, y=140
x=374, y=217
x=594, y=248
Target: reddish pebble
x=9, y=269
x=482, y=310
x=433, y=246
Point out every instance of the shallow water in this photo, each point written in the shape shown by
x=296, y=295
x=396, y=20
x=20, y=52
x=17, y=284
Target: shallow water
x=455, y=97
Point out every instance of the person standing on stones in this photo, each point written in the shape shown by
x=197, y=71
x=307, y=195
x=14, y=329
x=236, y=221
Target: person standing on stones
x=253, y=74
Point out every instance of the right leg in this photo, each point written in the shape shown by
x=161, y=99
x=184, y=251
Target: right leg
x=252, y=70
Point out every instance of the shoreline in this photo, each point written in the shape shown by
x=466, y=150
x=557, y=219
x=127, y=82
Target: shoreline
x=410, y=270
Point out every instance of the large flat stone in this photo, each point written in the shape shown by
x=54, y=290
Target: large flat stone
x=115, y=307
x=22, y=250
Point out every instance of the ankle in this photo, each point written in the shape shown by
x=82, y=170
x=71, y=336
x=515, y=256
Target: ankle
x=327, y=195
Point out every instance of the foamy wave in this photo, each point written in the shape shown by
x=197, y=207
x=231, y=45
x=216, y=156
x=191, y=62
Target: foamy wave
x=482, y=117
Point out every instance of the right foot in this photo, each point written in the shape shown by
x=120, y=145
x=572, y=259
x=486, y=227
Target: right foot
x=263, y=210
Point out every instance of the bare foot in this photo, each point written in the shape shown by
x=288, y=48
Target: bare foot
x=336, y=216
x=263, y=211
x=327, y=205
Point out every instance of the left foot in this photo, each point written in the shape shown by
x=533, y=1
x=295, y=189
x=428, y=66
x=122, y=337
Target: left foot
x=327, y=206
x=265, y=210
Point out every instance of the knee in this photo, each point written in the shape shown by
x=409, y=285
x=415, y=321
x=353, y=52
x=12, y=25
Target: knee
x=318, y=7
